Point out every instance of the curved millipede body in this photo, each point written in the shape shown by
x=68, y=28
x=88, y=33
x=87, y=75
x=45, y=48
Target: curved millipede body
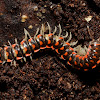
x=44, y=38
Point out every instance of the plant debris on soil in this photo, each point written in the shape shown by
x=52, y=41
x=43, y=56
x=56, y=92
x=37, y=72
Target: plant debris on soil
x=47, y=77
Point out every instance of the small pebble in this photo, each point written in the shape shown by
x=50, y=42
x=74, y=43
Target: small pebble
x=88, y=18
x=24, y=17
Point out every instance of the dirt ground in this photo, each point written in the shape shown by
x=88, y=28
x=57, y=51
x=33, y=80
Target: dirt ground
x=47, y=77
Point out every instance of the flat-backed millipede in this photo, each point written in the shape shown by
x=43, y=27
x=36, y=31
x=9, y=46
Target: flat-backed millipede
x=44, y=38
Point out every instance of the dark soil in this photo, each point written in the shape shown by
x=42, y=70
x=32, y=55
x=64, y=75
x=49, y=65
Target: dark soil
x=47, y=77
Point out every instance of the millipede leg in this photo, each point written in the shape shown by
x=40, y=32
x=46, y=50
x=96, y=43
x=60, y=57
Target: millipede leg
x=69, y=37
x=60, y=30
x=16, y=41
x=14, y=63
x=3, y=62
x=9, y=43
x=49, y=27
x=36, y=33
x=24, y=59
x=89, y=32
x=65, y=35
x=27, y=33
x=55, y=30
x=74, y=43
x=42, y=30
x=31, y=58
x=86, y=49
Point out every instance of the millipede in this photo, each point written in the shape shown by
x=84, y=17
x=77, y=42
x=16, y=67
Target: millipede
x=45, y=39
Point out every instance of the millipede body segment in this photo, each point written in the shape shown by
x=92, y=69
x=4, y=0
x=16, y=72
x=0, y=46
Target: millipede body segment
x=47, y=39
